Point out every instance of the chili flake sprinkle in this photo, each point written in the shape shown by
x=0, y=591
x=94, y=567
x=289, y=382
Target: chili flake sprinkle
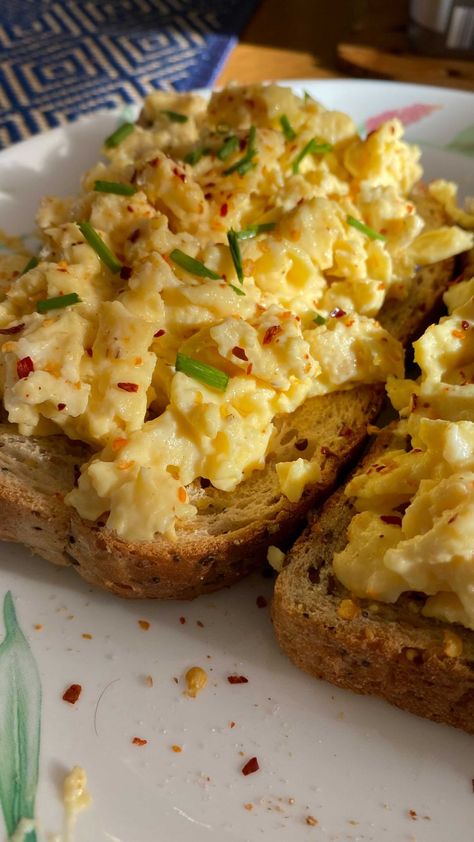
x=137, y=741
x=240, y=353
x=10, y=331
x=251, y=766
x=237, y=679
x=128, y=387
x=144, y=624
x=271, y=333
x=24, y=367
x=72, y=693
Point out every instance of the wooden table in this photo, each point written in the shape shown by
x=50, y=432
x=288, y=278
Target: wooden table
x=328, y=38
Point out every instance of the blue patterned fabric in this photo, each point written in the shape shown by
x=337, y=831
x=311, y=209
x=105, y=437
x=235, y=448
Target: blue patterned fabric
x=63, y=58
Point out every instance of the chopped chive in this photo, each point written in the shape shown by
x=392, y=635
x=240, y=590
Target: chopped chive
x=114, y=187
x=237, y=290
x=195, y=155
x=243, y=165
x=119, y=134
x=203, y=372
x=195, y=267
x=102, y=251
x=252, y=231
x=286, y=128
x=365, y=229
x=175, y=116
x=307, y=96
x=313, y=147
x=233, y=241
x=56, y=303
x=33, y=261
x=319, y=319
x=229, y=146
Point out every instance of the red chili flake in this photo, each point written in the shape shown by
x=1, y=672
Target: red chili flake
x=232, y=725
x=9, y=331
x=414, y=401
x=270, y=333
x=126, y=273
x=24, y=367
x=261, y=602
x=137, y=741
x=153, y=162
x=128, y=387
x=61, y=406
x=249, y=369
x=208, y=196
x=251, y=766
x=464, y=324
x=242, y=143
x=395, y=519
x=301, y=444
x=159, y=333
x=240, y=353
x=179, y=174
x=337, y=313
x=144, y=624
x=182, y=620
x=89, y=352
x=224, y=209
x=72, y=693
x=413, y=814
x=134, y=235
x=237, y=679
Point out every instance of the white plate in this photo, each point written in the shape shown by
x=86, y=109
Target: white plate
x=355, y=764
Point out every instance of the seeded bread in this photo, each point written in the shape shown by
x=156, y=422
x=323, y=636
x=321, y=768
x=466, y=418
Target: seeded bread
x=419, y=664
x=231, y=532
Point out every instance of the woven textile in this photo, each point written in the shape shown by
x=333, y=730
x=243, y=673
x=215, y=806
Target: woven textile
x=63, y=58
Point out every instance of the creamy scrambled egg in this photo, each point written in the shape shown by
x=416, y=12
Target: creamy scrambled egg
x=326, y=231
x=415, y=527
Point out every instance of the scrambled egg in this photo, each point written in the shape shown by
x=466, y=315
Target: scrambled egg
x=415, y=527
x=281, y=311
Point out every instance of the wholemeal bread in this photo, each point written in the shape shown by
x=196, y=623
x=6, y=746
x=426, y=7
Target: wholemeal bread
x=231, y=532
x=391, y=651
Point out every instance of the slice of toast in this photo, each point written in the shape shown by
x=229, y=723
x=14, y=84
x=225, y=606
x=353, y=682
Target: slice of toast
x=370, y=647
x=231, y=532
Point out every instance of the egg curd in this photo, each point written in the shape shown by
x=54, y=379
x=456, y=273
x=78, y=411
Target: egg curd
x=415, y=527
x=223, y=265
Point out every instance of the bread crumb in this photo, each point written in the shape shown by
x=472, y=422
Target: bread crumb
x=248, y=806
x=348, y=609
x=87, y=636
x=275, y=558
x=452, y=644
x=144, y=624
x=149, y=680
x=311, y=821
x=38, y=626
x=196, y=680
x=176, y=749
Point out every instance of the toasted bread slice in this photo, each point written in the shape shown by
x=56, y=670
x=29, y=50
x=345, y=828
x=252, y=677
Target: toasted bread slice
x=390, y=651
x=231, y=532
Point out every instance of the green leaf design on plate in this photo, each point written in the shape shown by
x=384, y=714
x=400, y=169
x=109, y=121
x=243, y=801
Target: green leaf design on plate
x=463, y=142
x=20, y=718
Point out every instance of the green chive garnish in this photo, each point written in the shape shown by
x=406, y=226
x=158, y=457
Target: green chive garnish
x=175, y=116
x=195, y=155
x=195, y=267
x=33, y=261
x=307, y=96
x=201, y=371
x=56, y=303
x=311, y=148
x=102, y=251
x=114, y=187
x=252, y=231
x=237, y=290
x=243, y=165
x=319, y=319
x=286, y=128
x=235, y=254
x=365, y=229
x=229, y=146
x=119, y=134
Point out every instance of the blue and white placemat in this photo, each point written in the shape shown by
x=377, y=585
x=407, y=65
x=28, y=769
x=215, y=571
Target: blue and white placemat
x=60, y=59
